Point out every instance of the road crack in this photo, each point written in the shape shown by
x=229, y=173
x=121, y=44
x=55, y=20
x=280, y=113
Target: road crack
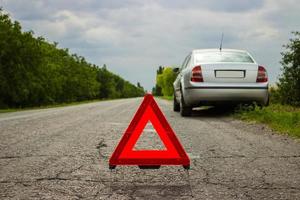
x=100, y=146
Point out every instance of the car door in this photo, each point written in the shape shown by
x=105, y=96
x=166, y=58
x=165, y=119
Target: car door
x=179, y=77
x=176, y=83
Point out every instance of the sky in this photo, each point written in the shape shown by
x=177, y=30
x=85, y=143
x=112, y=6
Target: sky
x=134, y=37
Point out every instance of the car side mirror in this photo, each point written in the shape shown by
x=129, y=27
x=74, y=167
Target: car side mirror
x=176, y=69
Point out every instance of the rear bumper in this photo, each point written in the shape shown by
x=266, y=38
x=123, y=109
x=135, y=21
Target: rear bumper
x=196, y=94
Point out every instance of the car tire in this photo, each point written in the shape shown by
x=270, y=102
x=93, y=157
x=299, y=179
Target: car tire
x=176, y=105
x=264, y=104
x=185, y=110
x=268, y=101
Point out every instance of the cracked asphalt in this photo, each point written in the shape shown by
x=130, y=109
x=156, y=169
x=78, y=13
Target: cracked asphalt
x=62, y=153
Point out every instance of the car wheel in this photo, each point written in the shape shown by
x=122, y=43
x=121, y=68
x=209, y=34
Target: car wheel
x=268, y=101
x=264, y=104
x=176, y=105
x=184, y=109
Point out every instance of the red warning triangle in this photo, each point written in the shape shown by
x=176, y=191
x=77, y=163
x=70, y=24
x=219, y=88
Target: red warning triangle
x=174, y=153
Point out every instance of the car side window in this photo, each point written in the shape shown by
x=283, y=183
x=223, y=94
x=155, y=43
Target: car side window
x=188, y=61
x=184, y=63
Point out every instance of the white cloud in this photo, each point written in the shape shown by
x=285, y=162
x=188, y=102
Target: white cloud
x=103, y=34
x=135, y=37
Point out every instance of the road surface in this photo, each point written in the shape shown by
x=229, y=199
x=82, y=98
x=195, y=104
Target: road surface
x=62, y=153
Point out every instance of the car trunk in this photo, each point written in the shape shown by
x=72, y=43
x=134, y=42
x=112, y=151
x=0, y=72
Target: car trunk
x=229, y=72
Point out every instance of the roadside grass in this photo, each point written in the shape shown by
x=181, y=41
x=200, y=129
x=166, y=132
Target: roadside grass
x=50, y=106
x=167, y=97
x=281, y=118
x=284, y=119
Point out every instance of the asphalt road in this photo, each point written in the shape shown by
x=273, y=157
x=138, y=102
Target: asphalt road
x=62, y=153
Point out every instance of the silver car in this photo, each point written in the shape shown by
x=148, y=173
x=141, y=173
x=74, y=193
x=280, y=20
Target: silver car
x=213, y=76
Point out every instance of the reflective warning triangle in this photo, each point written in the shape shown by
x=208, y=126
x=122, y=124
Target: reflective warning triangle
x=173, y=154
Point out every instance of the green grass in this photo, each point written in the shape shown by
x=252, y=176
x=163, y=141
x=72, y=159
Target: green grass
x=167, y=97
x=48, y=106
x=281, y=118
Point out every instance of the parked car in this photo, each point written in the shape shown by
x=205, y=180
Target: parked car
x=214, y=76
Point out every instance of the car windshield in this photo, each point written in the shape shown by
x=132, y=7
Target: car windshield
x=225, y=56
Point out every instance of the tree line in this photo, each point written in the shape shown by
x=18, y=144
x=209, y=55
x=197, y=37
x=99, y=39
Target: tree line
x=35, y=72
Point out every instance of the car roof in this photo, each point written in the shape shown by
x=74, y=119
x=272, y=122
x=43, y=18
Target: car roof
x=214, y=50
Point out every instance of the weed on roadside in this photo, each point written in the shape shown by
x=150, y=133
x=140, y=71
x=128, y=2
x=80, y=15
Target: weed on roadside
x=281, y=118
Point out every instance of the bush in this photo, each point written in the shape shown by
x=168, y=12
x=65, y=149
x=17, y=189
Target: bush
x=282, y=118
x=289, y=82
x=165, y=81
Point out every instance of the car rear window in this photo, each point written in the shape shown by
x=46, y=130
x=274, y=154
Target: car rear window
x=208, y=57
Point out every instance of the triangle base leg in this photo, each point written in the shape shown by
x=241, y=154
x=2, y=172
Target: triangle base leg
x=187, y=167
x=112, y=166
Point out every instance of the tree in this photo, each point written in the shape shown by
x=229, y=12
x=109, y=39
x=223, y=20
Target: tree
x=165, y=81
x=35, y=72
x=108, y=85
x=289, y=82
x=157, y=90
x=139, y=85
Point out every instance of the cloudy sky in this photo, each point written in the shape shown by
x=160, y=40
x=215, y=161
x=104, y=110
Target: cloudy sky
x=134, y=37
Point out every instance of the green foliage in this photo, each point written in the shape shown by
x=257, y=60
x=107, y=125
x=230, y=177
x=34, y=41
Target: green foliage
x=289, y=82
x=157, y=90
x=165, y=81
x=34, y=72
x=274, y=95
x=282, y=118
x=170, y=98
x=113, y=86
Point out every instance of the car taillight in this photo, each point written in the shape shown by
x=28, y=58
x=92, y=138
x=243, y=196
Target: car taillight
x=197, y=74
x=261, y=75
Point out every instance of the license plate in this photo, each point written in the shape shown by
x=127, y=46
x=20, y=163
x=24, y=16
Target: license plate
x=230, y=73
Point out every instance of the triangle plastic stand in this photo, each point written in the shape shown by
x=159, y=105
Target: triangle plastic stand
x=174, y=153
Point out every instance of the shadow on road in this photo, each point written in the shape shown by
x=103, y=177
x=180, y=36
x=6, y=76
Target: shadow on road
x=214, y=111
x=155, y=191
